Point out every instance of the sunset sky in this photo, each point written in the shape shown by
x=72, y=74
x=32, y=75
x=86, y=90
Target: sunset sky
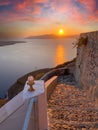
x=22, y=18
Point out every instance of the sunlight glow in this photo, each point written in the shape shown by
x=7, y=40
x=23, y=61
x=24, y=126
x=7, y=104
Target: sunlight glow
x=60, y=55
x=61, y=32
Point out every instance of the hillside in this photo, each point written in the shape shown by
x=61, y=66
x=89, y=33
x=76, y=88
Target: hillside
x=49, y=36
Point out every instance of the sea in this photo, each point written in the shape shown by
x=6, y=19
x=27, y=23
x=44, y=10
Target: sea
x=19, y=59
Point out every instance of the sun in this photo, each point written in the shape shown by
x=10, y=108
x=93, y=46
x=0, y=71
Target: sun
x=61, y=32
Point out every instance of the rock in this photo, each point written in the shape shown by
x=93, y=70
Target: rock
x=87, y=61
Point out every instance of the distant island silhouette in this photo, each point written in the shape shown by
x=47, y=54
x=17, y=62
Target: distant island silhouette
x=45, y=36
x=50, y=36
x=6, y=43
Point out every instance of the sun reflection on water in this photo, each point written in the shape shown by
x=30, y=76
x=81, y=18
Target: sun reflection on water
x=60, y=55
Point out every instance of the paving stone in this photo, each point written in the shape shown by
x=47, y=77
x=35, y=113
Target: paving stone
x=70, y=109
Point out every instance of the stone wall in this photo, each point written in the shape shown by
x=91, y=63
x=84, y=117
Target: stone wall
x=87, y=61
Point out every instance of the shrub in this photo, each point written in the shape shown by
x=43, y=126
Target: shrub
x=81, y=41
x=39, y=75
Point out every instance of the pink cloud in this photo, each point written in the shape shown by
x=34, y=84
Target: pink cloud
x=29, y=7
x=74, y=12
x=36, y=10
x=10, y=17
x=76, y=16
x=21, y=6
x=30, y=10
x=29, y=3
x=6, y=2
x=90, y=5
x=69, y=9
x=94, y=17
x=92, y=14
x=61, y=6
x=80, y=18
x=41, y=1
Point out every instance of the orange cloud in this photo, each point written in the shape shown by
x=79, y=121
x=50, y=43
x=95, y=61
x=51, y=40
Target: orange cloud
x=41, y=1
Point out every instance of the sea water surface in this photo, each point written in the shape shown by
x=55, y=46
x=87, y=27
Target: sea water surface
x=21, y=58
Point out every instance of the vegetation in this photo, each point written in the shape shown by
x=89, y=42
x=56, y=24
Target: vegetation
x=81, y=41
x=3, y=101
x=65, y=64
x=39, y=75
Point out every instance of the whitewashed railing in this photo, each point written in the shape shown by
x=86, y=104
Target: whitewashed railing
x=28, y=110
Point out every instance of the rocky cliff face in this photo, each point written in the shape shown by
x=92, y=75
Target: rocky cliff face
x=87, y=60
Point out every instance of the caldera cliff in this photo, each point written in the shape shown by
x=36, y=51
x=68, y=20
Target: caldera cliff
x=86, y=72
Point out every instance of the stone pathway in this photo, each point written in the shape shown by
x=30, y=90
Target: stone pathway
x=70, y=109
x=66, y=79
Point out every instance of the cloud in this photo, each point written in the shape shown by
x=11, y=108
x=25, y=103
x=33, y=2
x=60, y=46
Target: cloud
x=79, y=11
x=10, y=17
x=60, y=6
x=91, y=12
x=29, y=3
x=6, y=2
x=89, y=5
x=41, y=1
